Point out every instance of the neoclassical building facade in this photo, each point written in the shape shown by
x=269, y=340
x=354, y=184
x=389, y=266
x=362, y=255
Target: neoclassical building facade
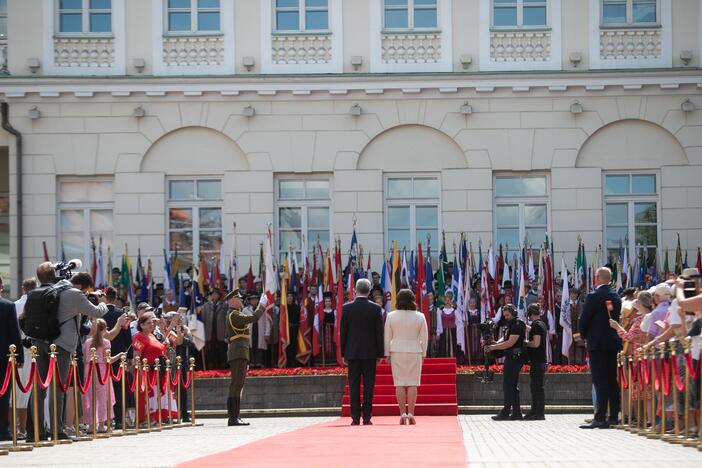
x=162, y=123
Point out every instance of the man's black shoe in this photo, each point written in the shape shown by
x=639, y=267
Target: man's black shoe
x=64, y=436
x=367, y=423
x=42, y=437
x=596, y=425
x=355, y=422
x=501, y=417
x=534, y=417
x=516, y=417
x=239, y=422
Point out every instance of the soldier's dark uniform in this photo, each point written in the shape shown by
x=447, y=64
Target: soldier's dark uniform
x=238, y=333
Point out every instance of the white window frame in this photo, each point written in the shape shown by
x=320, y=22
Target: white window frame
x=630, y=15
x=87, y=207
x=3, y=15
x=630, y=199
x=412, y=203
x=194, y=10
x=521, y=202
x=304, y=204
x=195, y=204
x=519, y=4
x=85, y=17
x=664, y=14
x=302, y=10
x=410, y=16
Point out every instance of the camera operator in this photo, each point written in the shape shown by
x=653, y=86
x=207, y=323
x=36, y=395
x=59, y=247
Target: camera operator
x=73, y=303
x=512, y=345
x=536, y=349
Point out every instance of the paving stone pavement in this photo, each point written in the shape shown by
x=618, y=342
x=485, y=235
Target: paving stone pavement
x=558, y=442
x=158, y=449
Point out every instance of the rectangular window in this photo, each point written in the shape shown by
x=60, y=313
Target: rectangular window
x=303, y=212
x=629, y=12
x=301, y=15
x=195, y=218
x=5, y=221
x=519, y=13
x=193, y=16
x=521, y=210
x=410, y=14
x=631, y=213
x=85, y=16
x=3, y=19
x=85, y=216
x=411, y=210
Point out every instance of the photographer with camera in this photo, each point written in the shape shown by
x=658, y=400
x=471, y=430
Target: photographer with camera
x=52, y=315
x=536, y=349
x=513, y=346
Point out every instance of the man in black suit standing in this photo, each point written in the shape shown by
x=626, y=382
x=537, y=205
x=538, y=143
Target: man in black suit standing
x=603, y=344
x=362, y=347
x=9, y=334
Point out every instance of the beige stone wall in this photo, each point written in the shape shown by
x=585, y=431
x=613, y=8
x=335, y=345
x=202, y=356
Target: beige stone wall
x=397, y=132
x=26, y=33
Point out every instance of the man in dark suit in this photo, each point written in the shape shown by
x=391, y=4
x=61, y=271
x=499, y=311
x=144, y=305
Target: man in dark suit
x=603, y=344
x=119, y=344
x=362, y=347
x=9, y=334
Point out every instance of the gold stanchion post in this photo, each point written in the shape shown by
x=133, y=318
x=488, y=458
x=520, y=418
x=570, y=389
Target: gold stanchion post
x=76, y=418
x=93, y=392
x=12, y=365
x=675, y=436
x=169, y=394
x=147, y=411
x=629, y=407
x=108, y=395
x=54, y=398
x=651, y=364
x=137, y=390
x=622, y=391
x=157, y=369
x=688, y=440
x=191, y=369
x=35, y=404
x=180, y=384
x=123, y=389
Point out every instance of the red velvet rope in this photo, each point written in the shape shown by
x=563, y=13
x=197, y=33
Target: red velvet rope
x=665, y=368
x=176, y=380
x=634, y=374
x=690, y=367
x=152, y=377
x=189, y=380
x=102, y=378
x=45, y=384
x=132, y=386
x=645, y=371
x=679, y=382
x=622, y=378
x=164, y=383
x=118, y=377
x=88, y=379
x=6, y=383
x=26, y=388
x=64, y=388
x=656, y=374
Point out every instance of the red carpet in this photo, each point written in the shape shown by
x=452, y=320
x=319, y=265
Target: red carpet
x=434, y=442
x=436, y=396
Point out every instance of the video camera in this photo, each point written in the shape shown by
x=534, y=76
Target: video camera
x=64, y=270
x=487, y=336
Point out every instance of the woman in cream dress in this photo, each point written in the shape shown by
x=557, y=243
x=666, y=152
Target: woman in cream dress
x=406, y=338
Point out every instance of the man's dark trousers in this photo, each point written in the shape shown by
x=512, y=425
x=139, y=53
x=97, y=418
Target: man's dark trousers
x=536, y=383
x=510, y=383
x=603, y=365
x=364, y=368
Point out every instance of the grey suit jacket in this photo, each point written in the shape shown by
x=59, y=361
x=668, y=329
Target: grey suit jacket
x=72, y=303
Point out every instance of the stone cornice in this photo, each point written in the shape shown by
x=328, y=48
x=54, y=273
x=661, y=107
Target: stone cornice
x=20, y=87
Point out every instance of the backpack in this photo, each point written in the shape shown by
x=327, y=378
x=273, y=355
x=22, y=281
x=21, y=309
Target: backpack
x=41, y=312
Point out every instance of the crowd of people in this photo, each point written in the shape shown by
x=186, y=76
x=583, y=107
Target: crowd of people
x=90, y=320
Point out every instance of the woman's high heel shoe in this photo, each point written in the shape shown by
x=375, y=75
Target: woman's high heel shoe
x=410, y=420
x=403, y=419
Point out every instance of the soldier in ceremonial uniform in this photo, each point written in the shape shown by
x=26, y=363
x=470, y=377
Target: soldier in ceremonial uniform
x=239, y=333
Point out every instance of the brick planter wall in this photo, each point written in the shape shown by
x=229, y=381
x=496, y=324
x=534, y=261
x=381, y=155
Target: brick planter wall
x=325, y=391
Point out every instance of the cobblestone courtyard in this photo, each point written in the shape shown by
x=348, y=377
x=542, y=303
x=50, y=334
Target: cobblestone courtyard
x=556, y=442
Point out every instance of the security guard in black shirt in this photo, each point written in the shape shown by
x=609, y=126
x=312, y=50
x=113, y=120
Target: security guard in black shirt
x=536, y=348
x=513, y=346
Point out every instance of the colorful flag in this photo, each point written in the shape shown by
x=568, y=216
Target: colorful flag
x=678, y=258
x=564, y=320
x=167, y=273
x=337, y=322
x=46, y=252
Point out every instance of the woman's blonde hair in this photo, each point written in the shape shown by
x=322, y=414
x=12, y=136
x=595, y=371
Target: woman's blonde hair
x=100, y=327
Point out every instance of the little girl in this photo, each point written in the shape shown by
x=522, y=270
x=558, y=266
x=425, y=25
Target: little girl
x=97, y=340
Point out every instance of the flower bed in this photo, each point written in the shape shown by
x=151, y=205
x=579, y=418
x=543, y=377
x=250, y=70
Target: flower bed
x=275, y=372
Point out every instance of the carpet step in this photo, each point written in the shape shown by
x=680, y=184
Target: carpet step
x=420, y=410
x=432, y=389
x=425, y=379
x=427, y=368
x=421, y=399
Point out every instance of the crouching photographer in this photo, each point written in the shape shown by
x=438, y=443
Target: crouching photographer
x=52, y=315
x=513, y=346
